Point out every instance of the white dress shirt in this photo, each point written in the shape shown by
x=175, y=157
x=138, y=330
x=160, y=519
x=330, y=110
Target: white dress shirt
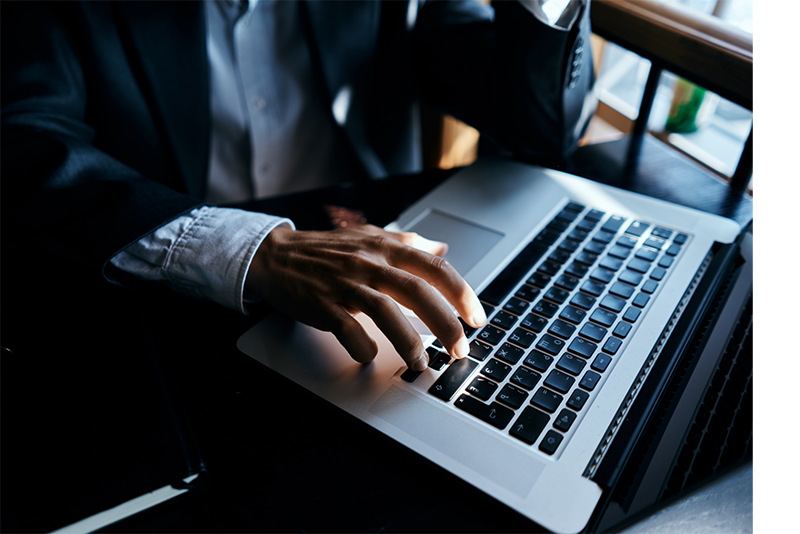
x=271, y=134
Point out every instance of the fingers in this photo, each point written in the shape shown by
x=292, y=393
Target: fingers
x=441, y=275
x=322, y=278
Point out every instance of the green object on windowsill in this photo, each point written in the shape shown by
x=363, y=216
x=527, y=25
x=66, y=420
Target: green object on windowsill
x=692, y=107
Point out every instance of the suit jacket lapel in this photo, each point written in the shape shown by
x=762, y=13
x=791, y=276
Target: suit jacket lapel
x=343, y=37
x=170, y=38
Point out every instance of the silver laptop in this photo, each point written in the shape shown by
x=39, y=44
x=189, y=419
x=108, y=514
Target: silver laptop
x=586, y=288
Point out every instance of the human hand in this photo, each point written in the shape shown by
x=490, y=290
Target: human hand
x=322, y=279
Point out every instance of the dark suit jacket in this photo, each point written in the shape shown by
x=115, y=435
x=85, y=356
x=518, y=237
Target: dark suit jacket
x=105, y=114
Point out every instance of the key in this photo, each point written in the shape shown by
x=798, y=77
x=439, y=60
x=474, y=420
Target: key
x=637, y=228
x=516, y=306
x=538, y=360
x=631, y=314
x=627, y=241
x=658, y=273
x=595, y=215
x=495, y=413
x=571, y=364
x=630, y=277
x=496, y=370
x=559, y=381
x=582, y=347
x=650, y=287
x=504, y=320
x=491, y=334
x=481, y=387
x=512, y=396
x=573, y=314
x=561, y=329
x=577, y=270
x=564, y=420
x=455, y=375
x=619, y=252
x=654, y=243
x=641, y=300
x=546, y=400
x=622, y=330
x=559, y=256
x=594, y=248
x=603, y=237
x=509, y=353
x=479, y=350
x=612, y=303
x=522, y=337
x=550, y=442
x=592, y=331
x=592, y=288
x=601, y=275
x=567, y=282
x=527, y=292
x=568, y=245
x=550, y=344
x=577, y=400
x=538, y=280
x=601, y=363
x=646, y=254
x=639, y=265
x=612, y=264
x=613, y=224
x=546, y=309
x=437, y=359
x=586, y=258
x=612, y=345
x=534, y=323
x=529, y=425
x=665, y=262
x=589, y=380
x=621, y=290
x=603, y=317
x=525, y=378
x=661, y=232
x=680, y=239
x=557, y=295
x=583, y=300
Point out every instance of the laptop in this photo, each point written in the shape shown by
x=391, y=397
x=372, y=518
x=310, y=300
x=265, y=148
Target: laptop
x=609, y=316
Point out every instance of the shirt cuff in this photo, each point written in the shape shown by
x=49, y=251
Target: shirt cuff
x=206, y=253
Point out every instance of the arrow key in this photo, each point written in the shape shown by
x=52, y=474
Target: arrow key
x=529, y=425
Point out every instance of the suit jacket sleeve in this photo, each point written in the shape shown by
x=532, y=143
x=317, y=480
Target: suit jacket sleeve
x=520, y=81
x=66, y=200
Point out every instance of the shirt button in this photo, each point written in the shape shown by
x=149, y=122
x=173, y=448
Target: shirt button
x=259, y=103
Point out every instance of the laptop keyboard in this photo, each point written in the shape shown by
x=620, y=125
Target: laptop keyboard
x=559, y=315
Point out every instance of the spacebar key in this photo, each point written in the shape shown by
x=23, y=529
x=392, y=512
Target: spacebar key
x=452, y=378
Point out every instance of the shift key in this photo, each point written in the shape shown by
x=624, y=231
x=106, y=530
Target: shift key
x=452, y=378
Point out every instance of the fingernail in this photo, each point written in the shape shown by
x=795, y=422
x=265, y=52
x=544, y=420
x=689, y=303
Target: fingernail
x=461, y=349
x=422, y=363
x=479, y=317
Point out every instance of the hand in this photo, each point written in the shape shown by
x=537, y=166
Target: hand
x=324, y=278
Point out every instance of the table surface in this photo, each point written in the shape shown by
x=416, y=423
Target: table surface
x=280, y=459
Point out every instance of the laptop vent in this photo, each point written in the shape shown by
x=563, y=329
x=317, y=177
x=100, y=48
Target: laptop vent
x=654, y=353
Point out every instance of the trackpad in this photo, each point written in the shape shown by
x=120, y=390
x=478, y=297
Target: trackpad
x=468, y=242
